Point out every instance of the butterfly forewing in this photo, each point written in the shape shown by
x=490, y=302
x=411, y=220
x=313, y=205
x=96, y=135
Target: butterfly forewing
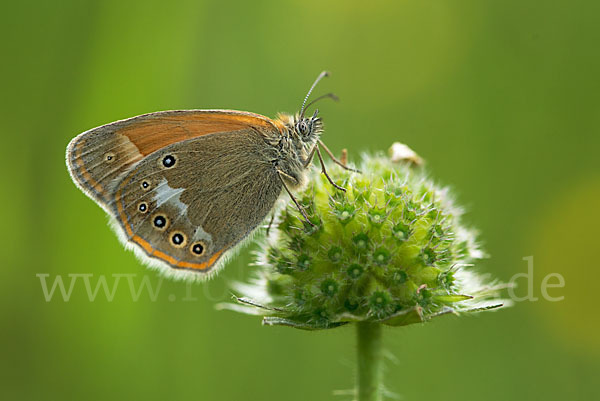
x=98, y=157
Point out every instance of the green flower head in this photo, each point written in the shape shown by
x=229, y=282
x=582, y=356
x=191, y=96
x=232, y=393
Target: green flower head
x=390, y=249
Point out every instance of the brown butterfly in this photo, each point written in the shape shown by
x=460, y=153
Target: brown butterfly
x=185, y=187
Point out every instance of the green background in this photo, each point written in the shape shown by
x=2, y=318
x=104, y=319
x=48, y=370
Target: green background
x=502, y=98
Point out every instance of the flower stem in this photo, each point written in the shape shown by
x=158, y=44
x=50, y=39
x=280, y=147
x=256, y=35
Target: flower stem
x=370, y=363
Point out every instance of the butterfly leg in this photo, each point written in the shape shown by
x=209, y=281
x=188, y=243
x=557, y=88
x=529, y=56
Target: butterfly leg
x=281, y=175
x=335, y=160
x=324, y=171
x=309, y=159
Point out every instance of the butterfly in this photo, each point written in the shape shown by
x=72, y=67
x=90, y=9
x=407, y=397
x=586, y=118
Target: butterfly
x=184, y=188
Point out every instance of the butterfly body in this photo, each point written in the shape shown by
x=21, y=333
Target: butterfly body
x=294, y=147
x=185, y=187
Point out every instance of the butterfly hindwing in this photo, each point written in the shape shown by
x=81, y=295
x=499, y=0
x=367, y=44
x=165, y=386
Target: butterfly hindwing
x=188, y=203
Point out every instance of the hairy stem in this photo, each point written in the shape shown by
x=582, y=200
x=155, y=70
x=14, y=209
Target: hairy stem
x=370, y=364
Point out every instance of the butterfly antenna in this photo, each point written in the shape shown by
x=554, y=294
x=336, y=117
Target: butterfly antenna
x=330, y=95
x=321, y=76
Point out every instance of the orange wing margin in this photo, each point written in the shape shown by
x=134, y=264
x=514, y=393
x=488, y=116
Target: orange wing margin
x=154, y=131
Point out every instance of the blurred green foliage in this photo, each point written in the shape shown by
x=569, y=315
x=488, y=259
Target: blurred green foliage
x=501, y=98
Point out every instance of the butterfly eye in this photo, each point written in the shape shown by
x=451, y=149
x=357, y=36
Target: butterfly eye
x=302, y=127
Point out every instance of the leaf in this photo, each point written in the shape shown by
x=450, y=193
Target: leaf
x=451, y=298
x=278, y=321
x=405, y=317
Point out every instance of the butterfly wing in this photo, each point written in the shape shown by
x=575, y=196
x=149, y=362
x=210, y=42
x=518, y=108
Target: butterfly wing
x=183, y=188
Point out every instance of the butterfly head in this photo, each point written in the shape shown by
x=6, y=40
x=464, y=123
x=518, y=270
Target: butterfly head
x=308, y=129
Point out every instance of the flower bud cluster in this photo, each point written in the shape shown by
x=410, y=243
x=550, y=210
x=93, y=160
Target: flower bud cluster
x=391, y=248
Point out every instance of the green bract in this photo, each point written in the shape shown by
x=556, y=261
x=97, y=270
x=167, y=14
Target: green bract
x=390, y=249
